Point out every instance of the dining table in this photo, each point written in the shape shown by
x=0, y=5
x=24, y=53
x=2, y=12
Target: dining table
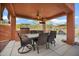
x=33, y=37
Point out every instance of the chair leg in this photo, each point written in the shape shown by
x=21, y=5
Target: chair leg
x=37, y=48
x=48, y=45
x=33, y=46
x=54, y=42
x=19, y=48
x=22, y=49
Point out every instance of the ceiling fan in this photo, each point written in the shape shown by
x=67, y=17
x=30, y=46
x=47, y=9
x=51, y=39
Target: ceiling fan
x=39, y=17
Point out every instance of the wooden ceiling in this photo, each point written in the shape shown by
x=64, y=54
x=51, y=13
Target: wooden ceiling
x=46, y=10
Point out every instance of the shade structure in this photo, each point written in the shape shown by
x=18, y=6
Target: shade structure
x=47, y=11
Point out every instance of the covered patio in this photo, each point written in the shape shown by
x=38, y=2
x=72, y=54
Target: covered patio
x=40, y=12
x=61, y=49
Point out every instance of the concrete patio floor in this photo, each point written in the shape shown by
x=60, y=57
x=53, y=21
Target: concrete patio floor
x=61, y=49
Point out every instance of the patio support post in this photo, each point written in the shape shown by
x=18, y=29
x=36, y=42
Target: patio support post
x=70, y=28
x=12, y=18
x=0, y=11
x=44, y=26
x=13, y=27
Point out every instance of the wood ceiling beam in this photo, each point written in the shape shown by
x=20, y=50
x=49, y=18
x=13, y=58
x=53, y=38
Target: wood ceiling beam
x=53, y=16
x=48, y=18
x=69, y=6
x=28, y=17
x=57, y=15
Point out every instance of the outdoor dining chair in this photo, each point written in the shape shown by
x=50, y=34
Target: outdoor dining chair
x=51, y=37
x=33, y=31
x=41, y=40
x=24, y=43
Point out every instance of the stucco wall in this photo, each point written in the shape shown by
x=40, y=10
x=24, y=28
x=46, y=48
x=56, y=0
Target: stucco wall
x=5, y=33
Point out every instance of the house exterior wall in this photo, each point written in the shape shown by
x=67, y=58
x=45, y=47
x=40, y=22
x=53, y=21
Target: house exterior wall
x=5, y=33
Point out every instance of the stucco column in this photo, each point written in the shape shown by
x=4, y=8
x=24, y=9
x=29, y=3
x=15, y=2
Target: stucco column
x=0, y=11
x=13, y=27
x=44, y=26
x=70, y=28
x=2, y=6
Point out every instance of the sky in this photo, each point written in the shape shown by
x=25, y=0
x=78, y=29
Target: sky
x=56, y=21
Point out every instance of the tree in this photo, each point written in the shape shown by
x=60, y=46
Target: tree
x=5, y=21
x=49, y=25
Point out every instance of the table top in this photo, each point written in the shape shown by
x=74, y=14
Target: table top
x=32, y=35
